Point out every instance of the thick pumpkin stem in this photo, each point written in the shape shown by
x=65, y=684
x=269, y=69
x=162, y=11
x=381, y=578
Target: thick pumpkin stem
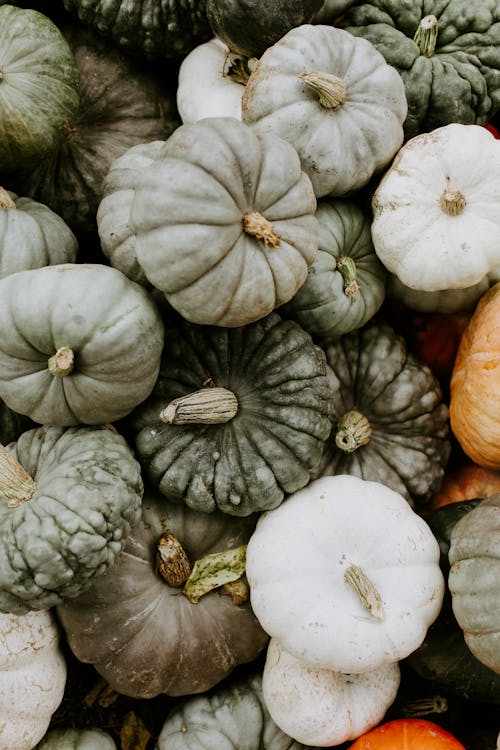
x=62, y=362
x=5, y=199
x=258, y=226
x=353, y=430
x=172, y=561
x=426, y=35
x=215, y=570
x=16, y=485
x=452, y=202
x=238, y=68
x=206, y=406
x=366, y=591
x=330, y=89
x=434, y=704
x=347, y=268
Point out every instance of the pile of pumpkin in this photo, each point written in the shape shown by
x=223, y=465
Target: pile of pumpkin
x=250, y=373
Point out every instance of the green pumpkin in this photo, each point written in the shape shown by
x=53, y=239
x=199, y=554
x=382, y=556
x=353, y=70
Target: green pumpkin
x=345, y=285
x=12, y=424
x=391, y=424
x=69, y=498
x=447, y=53
x=39, y=87
x=76, y=739
x=258, y=434
x=81, y=344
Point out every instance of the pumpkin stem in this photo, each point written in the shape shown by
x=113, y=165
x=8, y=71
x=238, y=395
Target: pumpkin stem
x=62, y=362
x=238, y=69
x=331, y=89
x=366, y=591
x=238, y=590
x=16, y=485
x=172, y=561
x=206, y=406
x=215, y=570
x=5, y=199
x=426, y=35
x=353, y=430
x=347, y=268
x=452, y=202
x=435, y=704
x=258, y=226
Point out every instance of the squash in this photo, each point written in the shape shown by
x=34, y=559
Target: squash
x=465, y=480
x=331, y=11
x=331, y=95
x=474, y=557
x=81, y=344
x=474, y=384
x=446, y=54
x=391, y=424
x=237, y=418
x=69, y=498
x=76, y=739
x=322, y=707
x=137, y=627
x=32, y=677
x=32, y=235
x=444, y=301
x=39, y=85
x=12, y=424
x=407, y=734
x=434, y=219
x=376, y=559
x=225, y=222
x=345, y=285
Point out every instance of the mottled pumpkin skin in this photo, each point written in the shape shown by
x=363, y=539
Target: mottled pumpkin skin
x=144, y=636
x=269, y=448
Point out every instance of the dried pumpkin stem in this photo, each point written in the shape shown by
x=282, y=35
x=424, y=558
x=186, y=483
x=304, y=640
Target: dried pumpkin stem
x=435, y=704
x=16, y=485
x=353, y=431
x=452, y=202
x=258, y=226
x=5, y=199
x=347, y=268
x=62, y=362
x=368, y=595
x=330, y=89
x=426, y=34
x=172, y=561
x=206, y=406
x=238, y=68
x=215, y=570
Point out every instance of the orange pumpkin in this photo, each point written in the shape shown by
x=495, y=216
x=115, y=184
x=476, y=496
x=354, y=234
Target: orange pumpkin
x=475, y=384
x=407, y=734
x=464, y=480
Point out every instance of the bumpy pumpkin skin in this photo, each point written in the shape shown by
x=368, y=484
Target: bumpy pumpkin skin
x=272, y=444
x=88, y=491
x=460, y=81
x=77, y=739
x=408, y=445
x=111, y=325
x=144, y=636
x=39, y=92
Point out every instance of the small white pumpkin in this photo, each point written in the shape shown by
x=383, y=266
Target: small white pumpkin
x=345, y=574
x=32, y=677
x=321, y=707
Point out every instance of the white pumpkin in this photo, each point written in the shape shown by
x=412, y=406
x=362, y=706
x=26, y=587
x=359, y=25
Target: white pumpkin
x=321, y=707
x=32, y=677
x=345, y=574
x=441, y=300
x=436, y=223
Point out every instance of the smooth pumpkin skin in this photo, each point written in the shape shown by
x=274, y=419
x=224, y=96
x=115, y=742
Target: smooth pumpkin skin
x=272, y=444
x=407, y=734
x=111, y=324
x=39, y=87
x=475, y=384
x=144, y=636
x=464, y=481
x=76, y=739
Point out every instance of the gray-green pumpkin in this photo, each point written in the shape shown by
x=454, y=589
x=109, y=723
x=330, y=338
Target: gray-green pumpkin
x=81, y=344
x=242, y=445
x=76, y=739
x=69, y=498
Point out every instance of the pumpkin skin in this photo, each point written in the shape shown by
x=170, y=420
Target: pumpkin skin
x=310, y=543
x=144, y=636
x=32, y=677
x=339, y=146
x=111, y=325
x=407, y=734
x=443, y=301
x=392, y=425
x=76, y=739
x=459, y=81
x=272, y=444
x=12, y=424
x=39, y=92
x=464, y=481
x=336, y=299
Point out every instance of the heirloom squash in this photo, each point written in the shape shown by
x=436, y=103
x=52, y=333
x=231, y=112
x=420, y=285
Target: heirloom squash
x=76, y=739
x=407, y=734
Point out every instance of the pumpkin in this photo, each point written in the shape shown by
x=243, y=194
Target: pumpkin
x=465, y=480
x=237, y=418
x=32, y=677
x=225, y=222
x=81, y=344
x=76, y=739
x=331, y=11
x=407, y=734
x=322, y=707
x=345, y=285
x=474, y=386
x=12, y=424
x=331, y=95
x=345, y=575
x=390, y=422
x=444, y=301
x=69, y=498
x=434, y=222
x=140, y=631
x=474, y=557
x=39, y=91
x=32, y=236
x=447, y=56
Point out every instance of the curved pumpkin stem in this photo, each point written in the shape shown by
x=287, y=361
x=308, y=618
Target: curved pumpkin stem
x=330, y=89
x=16, y=485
